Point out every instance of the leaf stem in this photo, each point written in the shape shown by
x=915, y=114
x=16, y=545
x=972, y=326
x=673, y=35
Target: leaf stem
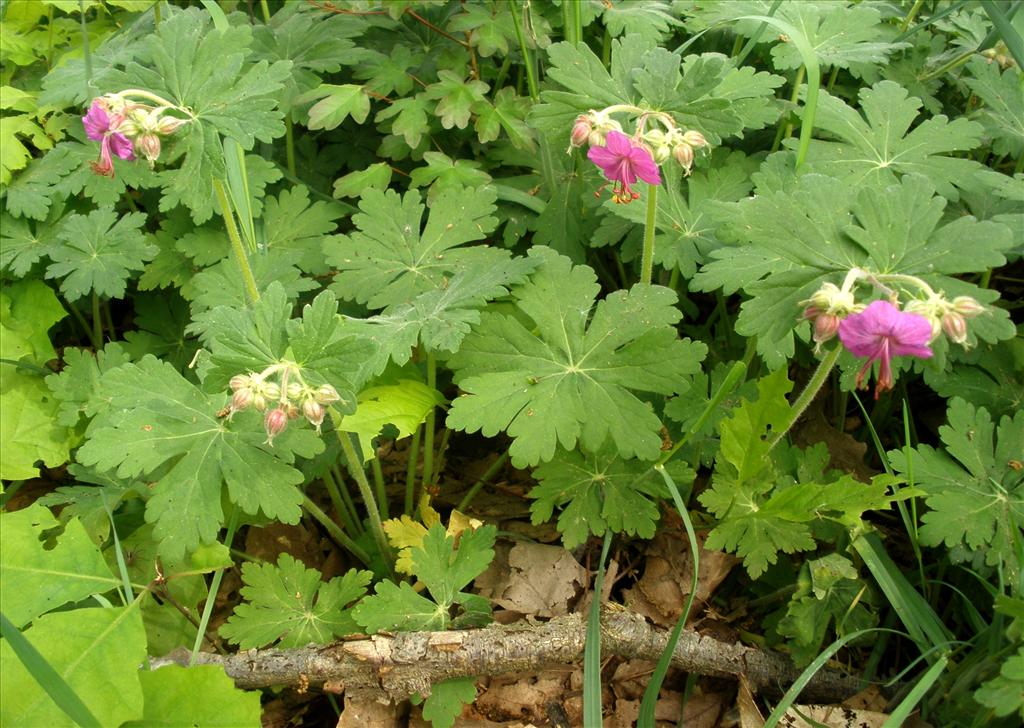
x=289, y=144
x=266, y=11
x=410, y=471
x=241, y=257
x=911, y=15
x=211, y=596
x=334, y=531
x=355, y=467
x=787, y=129
x=810, y=392
x=428, y=429
x=86, y=55
x=380, y=485
x=97, y=320
x=347, y=517
x=647, y=260
x=492, y=469
x=528, y=61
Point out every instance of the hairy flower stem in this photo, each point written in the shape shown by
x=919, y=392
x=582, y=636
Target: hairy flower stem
x=355, y=466
x=647, y=260
x=810, y=392
x=211, y=597
x=241, y=257
x=335, y=532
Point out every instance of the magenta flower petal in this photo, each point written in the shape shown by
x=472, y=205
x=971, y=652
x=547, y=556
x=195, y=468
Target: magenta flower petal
x=122, y=146
x=623, y=162
x=96, y=121
x=880, y=332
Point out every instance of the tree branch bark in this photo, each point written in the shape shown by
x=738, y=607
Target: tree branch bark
x=396, y=666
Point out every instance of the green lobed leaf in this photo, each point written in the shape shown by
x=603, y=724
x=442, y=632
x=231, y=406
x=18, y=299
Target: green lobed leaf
x=252, y=339
x=208, y=71
x=1004, y=694
x=976, y=475
x=156, y=419
x=404, y=406
x=543, y=388
x=99, y=253
x=28, y=309
x=872, y=151
x=439, y=319
x=30, y=431
x=291, y=222
x=601, y=491
x=446, y=699
x=336, y=104
x=389, y=260
x=76, y=384
x=288, y=605
x=445, y=569
x=23, y=243
x=1002, y=113
x=787, y=243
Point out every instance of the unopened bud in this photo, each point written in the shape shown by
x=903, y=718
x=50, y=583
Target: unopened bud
x=274, y=423
x=930, y=311
x=239, y=381
x=695, y=139
x=314, y=412
x=169, y=124
x=967, y=307
x=271, y=390
x=259, y=401
x=326, y=394
x=683, y=154
x=241, y=400
x=826, y=326
x=294, y=390
x=955, y=327
x=580, y=131
x=148, y=146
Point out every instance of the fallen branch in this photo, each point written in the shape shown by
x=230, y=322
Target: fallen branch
x=397, y=666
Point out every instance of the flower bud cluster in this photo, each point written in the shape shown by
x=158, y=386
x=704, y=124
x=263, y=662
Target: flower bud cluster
x=830, y=304
x=593, y=127
x=128, y=127
x=947, y=317
x=280, y=392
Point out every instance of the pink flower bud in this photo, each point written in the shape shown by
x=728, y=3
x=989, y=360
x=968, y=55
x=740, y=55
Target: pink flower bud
x=825, y=327
x=967, y=307
x=239, y=381
x=314, y=412
x=580, y=131
x=148, y=146
x=241, y=400
x=326, y=394
x=683, y=154
x=274, y=423
x=169, y=124
x=955, y=327
x=695, y=139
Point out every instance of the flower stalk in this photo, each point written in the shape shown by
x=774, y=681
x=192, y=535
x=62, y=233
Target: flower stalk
x=251, y=289
x=647, y=257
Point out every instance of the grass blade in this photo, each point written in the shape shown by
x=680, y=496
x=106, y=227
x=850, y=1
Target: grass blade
x=51, y=681
x=647, y=705
x=907, y=705
x=592, y=707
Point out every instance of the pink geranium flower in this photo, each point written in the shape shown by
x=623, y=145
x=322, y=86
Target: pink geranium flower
x=623, y=162
x=102, y=127
x=880, y=332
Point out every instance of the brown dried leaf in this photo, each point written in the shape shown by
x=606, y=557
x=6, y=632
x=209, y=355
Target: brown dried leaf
x=661, y=593
x=833, y=716
x=540, y=580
